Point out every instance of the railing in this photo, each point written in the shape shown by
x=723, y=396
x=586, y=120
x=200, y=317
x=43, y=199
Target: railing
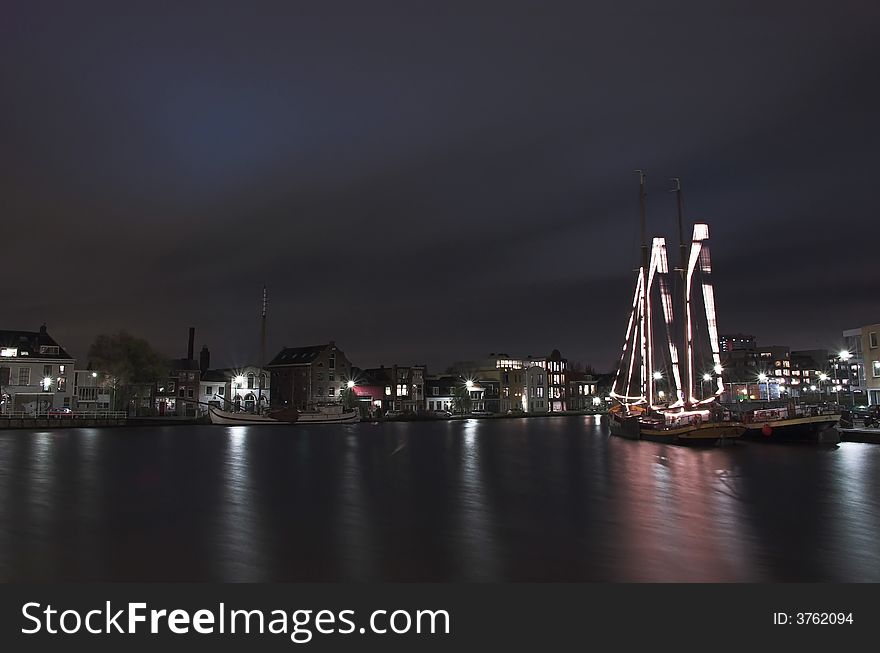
x=79, y=415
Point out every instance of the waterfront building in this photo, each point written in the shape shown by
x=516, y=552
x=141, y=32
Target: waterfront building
x=304, y=376
x=504, y=380
x=758, y=373
x=870, y=337
x=557, y=382
x=439, y=392
x=235, y=388
x=179, y=394
x=36, y=373
x=93, y=390
x=534, y=396
x=853, y=358
x=736, y=341
x=399, y=388
x=582, y=390
x=369, y=386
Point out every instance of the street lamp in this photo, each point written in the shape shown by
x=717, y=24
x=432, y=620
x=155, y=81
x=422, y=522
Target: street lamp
x=350, y=384
x=707, y=378
x=763, y=378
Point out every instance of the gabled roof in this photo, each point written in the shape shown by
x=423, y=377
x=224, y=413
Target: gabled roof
x=29, y=343
x=216, y=376
x=297, y=355
x=181, y=364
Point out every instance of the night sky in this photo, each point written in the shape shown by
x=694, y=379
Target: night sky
x=433, y=185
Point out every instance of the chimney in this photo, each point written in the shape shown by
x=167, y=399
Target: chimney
x=43, y=329
x=192, y=338
x=204, y=359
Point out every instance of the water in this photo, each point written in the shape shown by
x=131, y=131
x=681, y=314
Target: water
x=540, y=499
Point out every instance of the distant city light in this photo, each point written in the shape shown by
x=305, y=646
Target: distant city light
x=658, y=375
x=823, y=377
x=762, y=377
x=813, y=388
x=94, y=374
x=707, y=377
x=596, y=401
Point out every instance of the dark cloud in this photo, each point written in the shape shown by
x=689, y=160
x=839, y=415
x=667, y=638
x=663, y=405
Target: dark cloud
x=433, y=184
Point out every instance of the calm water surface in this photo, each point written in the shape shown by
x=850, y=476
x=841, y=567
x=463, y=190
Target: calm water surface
x=535, y=499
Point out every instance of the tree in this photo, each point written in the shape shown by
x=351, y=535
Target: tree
x=461, y=399
x=350, y=399
x=128, y=360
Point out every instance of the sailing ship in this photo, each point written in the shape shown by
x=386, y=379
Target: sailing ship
x=641, y=409
x=324, y=414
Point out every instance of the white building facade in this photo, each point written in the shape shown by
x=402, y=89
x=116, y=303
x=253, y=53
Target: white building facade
x=36, y=373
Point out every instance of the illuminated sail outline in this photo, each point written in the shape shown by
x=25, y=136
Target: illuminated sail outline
x=699, y=255
x=639, y=328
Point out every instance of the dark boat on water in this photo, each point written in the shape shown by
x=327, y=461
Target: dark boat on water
x=791, y=423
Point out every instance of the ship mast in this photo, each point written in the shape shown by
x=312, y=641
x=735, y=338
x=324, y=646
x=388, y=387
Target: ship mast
x=645, y=309
x=262, y=347
x=686, y=333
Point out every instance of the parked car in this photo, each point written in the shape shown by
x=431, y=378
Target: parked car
x=442, y=414
x=60, y=412
x=391, y=414
x=481, y=413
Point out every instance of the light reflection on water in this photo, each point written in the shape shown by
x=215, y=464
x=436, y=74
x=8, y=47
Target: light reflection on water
x=522, y=499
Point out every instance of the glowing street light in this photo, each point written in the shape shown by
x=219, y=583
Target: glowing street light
x=239, y=381
x=94, y=375
x=844, y=354
x=707, y=377
x=763, y=378
x=47, y=382
x=658, y=375
x=823, y=377
x=718, y=369
x=350, y=384
x=469, y=384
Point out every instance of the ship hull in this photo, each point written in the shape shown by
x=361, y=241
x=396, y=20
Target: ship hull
x=225, y=418
x=632, y=428
x=815, y=430
x=345, y=417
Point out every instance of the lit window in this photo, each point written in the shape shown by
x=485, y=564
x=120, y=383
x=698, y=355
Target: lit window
x=24, y=376
x=331, y=391
x=875, y=365
x=8, y=352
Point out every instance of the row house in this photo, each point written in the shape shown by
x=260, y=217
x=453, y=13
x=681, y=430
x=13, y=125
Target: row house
x=400, y=388
x=36, y=373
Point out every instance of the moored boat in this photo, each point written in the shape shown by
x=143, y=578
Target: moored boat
x=229, y=418
x=791, y=424
x=329, y=414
